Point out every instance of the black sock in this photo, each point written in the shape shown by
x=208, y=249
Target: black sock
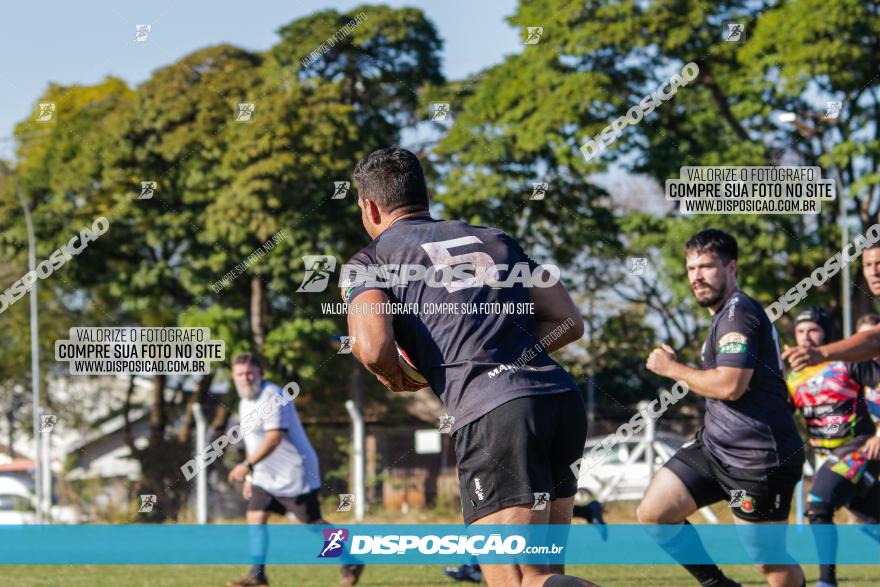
x=562, y=581
x=821, y=515
x=687, y=541
x=828, y=573
x=582, y=511
x=707, y=575
x=258, y=571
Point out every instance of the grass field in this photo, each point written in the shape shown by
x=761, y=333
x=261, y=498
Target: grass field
x=376, y=576
x=397, y=575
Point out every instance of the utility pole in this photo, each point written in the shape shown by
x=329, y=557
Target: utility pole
x=35, y=357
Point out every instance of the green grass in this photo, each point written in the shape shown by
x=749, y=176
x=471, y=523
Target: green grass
x=395, y=575
x=375, y=576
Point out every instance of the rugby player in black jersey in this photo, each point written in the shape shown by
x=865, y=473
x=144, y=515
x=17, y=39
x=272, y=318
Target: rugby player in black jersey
x=748, y=452
x=518, y=417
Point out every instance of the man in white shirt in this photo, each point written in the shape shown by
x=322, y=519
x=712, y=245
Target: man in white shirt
x=280, y=472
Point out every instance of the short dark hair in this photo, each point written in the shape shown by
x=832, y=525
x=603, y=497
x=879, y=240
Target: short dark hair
x=249, y=359
x=715, y=241
x=394, y=179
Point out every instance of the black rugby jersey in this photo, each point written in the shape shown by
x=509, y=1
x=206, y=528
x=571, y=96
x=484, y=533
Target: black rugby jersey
x=474, y=357
x=758, y=429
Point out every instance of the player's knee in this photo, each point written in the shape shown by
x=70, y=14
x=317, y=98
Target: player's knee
x=793, y=571
x=657, y=511
x=648, y=513
x=820, y=512
x=767, y=569
x=865, y=518
x=256, y=517
x=644, y=514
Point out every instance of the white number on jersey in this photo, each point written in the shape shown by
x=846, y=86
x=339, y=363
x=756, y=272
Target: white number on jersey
x=485, y=270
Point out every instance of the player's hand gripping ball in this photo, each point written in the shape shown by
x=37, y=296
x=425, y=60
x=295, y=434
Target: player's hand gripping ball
x=412, y=379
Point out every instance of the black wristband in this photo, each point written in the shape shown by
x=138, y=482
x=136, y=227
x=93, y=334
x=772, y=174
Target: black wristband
x=248, y=464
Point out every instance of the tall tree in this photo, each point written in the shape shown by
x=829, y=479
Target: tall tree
x=529, y=116
x=238, y=199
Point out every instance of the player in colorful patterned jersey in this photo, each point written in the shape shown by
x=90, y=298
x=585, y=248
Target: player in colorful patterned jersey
x=831, y=397
x=872, y=394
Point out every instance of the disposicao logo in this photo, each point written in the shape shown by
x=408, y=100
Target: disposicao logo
x=334, y=541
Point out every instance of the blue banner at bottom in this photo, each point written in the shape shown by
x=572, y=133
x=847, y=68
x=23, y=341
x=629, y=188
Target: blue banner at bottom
x=439, y=544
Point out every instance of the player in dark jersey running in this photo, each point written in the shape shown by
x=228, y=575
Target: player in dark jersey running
x=749, y=450
x=831, y=397
x=518, y=418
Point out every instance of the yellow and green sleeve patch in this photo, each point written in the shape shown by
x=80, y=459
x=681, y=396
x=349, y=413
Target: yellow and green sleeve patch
x=732, y=343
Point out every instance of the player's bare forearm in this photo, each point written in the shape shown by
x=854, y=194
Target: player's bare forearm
x=372, y=332
x=722, y=383
x=559, y=322
x=373, y=339
x=270, y=442
x=862, y=346
x=383, y=365
x=379, y=358
x=556, y=335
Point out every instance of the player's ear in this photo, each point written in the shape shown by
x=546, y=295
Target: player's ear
x=373, y=213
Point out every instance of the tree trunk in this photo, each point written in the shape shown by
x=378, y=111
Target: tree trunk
x=160, y=463
x=257, y=301
x=202, y=388
x=10, y=422
x=128, y=434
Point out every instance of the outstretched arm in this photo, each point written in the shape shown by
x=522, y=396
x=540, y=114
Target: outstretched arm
x=861, y=346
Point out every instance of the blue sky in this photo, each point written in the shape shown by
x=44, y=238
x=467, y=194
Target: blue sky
x=82, y=42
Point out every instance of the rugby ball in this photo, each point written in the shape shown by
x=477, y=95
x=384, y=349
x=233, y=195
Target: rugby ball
x=412, y=379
